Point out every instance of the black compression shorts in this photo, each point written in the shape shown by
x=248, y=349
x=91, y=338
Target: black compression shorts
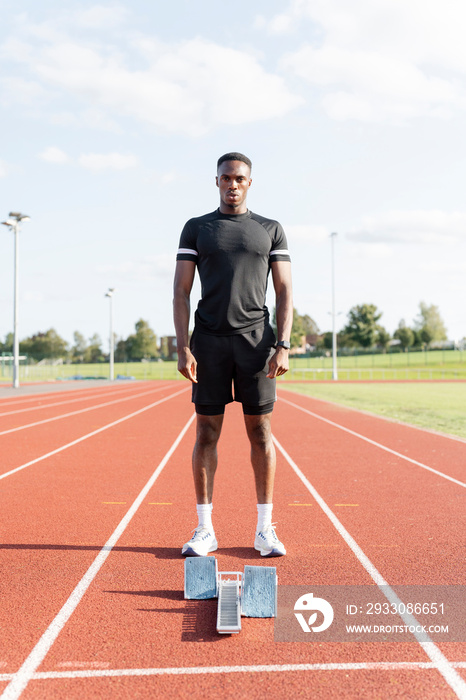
x=214, y=410
x=238, y=362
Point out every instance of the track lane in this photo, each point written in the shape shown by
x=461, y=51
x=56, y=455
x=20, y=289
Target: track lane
x=59, y=516
x=24, y=448
x=12, y=422
x=96, y=631
x=44, y=401
x=441, y=452
x=45, y=393
x=156, y=591
x=412, y=521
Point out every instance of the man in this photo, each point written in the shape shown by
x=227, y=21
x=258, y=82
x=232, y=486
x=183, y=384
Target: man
x=233, y=250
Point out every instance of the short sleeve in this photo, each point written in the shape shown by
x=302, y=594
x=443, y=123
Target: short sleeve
x=188, y=246
x=279, y=250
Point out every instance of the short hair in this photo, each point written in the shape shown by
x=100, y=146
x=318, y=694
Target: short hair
x=234, y=156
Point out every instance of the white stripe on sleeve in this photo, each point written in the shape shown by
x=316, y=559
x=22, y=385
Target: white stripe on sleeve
x=187, y=251
x=279, y=252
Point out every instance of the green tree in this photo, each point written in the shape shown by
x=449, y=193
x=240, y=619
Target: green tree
x=164, y=347
x=309, y=325
x=362, y=327
x=405, y=335
x=93, y=352
x=326, y=340
x=8, y=344
x=143, y=344
x=78, y=350
x=383, y=338
x=43, y=346
x=297, y=330
x=121, y=351
x=302, y=326
x=429, y=324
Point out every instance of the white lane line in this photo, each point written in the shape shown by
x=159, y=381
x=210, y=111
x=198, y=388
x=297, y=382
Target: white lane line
x=373, y=442
x=24, y=674
x=61, y=403
x=420, y=428
x=206, y=670
x=88, y=435
x=82, y=410
x=441, y=663
x=29, y=398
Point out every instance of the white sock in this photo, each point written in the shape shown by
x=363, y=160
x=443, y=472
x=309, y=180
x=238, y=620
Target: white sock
x=264, y=516
x=204, y=513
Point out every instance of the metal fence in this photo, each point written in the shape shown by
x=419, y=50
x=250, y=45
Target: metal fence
x=377, y=374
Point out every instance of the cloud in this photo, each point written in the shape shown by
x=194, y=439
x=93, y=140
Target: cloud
x=376, y=87
x=279, y=24
x=54, y=155
x=380, y=62
x=107, y=161
x=411, y=227
x=3, y=168
x=188, y=87
x=91, y=161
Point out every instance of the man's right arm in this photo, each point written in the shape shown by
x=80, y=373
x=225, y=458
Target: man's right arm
x=184, y=278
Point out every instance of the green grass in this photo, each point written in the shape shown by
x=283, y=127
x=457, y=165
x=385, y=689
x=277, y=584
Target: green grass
x=434, y=405
x=434, y=364
x=138, y=370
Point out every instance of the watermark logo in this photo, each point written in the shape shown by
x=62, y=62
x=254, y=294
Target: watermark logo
x=312, y=605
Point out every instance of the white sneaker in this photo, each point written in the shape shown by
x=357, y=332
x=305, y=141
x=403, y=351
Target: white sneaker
x=201, y=543
x=268, y=544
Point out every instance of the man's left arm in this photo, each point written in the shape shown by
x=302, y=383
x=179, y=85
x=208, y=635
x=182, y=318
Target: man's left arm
x=281, y=277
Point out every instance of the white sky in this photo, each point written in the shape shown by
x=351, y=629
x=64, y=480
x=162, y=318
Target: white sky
x=113, y=116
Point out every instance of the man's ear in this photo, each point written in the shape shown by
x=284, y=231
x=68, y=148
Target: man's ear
x=216, y=180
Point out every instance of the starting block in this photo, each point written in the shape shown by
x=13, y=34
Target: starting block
x=253, y=594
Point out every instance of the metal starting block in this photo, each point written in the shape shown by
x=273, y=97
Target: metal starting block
x=253, y=594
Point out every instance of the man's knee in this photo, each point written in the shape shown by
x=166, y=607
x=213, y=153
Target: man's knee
x=208, y=430
x=259, y=430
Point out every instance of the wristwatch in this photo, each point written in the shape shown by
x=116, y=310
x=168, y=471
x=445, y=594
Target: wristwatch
x=283, y=344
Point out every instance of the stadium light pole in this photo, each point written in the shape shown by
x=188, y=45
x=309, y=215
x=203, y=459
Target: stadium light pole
x=334, y=332
x=109, y=294
x=13, y=223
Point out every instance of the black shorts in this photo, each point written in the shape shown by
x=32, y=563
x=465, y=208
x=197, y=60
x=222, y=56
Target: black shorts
x=238, y=362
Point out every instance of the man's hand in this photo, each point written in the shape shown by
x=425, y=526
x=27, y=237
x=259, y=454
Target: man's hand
x=278, y=363
x=187, y=365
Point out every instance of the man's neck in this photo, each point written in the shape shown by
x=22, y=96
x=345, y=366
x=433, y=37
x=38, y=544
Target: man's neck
x=232, y=211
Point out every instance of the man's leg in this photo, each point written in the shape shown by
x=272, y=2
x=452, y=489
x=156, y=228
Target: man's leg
x=204, y=464
x=205, y=456
x=263, y=461
x=262, y=455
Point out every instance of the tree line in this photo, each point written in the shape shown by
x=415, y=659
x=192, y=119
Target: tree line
x=362, y=330
x=140, y=345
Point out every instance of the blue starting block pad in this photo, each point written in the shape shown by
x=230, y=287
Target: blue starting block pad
x=259, y=596
x=200, y=578
x=253, y=594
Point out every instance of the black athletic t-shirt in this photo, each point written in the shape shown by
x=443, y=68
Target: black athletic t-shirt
x=233, y=254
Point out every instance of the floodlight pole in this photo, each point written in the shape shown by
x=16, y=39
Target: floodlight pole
x=334, y=332
x=112, y=348
x=13, y=224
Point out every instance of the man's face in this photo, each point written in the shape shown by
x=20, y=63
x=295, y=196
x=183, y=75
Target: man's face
x=233, y=180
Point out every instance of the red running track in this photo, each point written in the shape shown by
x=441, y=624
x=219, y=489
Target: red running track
x=96, y=500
